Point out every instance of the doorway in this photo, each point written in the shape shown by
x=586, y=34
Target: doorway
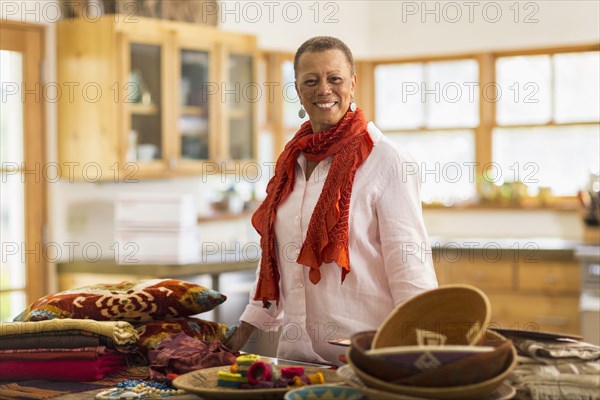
x=24, y=271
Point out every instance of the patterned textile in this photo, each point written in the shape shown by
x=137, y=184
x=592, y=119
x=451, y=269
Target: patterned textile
x=120, y=333
x=153, y=333
x=81, y=353
x=65, y=340
x=573, y=381
x=349, y=143
x=63, y=370
x=136, y=301
x=181, y=354
x=43, y=389
x=560, y=350
x=557, y=369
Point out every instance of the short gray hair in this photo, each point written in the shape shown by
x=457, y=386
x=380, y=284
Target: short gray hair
x=319, y=44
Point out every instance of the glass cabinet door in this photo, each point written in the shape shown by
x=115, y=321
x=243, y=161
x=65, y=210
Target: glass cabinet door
x=144, y=94
x=239, y=106
x=194, y=114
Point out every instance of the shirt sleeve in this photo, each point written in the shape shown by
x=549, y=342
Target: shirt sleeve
x=266, y=319
x=407, y=257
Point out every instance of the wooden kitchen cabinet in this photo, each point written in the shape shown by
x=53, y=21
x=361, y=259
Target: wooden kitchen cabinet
x=154, y=98
x=540, y=293
x=526, y=311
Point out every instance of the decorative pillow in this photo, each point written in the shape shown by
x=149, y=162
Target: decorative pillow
x=154, y=332
x=138, y=301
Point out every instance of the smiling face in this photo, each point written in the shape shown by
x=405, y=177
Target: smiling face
x=325, y=85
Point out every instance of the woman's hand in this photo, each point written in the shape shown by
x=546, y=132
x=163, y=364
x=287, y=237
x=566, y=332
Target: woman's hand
x=240, y=336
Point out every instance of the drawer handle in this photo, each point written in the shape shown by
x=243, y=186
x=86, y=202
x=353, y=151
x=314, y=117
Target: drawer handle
x=552, y=320
x=551, y=279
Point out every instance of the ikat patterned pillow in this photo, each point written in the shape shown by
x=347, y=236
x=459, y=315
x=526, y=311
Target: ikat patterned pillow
x=137, y=301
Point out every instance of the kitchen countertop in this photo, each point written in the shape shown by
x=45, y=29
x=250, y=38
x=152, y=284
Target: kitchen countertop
x=588, y=252
x=229, y=263
x=215, y=264
x=545, y=244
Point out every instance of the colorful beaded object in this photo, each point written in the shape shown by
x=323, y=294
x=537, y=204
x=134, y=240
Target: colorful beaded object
x=139, y=389
x=244, y=362
x=250, y=373
x=229, y=380
x=259, y=372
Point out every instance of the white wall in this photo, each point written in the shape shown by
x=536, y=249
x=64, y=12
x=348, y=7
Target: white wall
x=394, y=28
x=284, y=25
x=408, y=28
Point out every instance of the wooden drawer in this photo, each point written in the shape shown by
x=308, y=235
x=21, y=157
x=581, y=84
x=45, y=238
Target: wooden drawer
x=484, y=275
x=536, y=312
x=549, y=276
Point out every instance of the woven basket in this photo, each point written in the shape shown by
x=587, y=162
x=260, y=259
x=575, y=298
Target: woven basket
x=450, y=315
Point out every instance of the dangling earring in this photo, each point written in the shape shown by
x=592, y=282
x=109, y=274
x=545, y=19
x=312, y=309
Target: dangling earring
x=301, y=112
x=353, y=106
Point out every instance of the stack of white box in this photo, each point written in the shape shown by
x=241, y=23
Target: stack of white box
x=152, y=228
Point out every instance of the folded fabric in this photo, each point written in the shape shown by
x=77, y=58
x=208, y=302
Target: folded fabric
x=553, y=351
x=63, y=370
x=65, y=339
x=136, y=301
x=181, y=354
x=574, y=381
x=153, y=333
x=81, y=353
x=120, y=332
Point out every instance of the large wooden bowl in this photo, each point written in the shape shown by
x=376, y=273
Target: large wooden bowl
x=478, y=390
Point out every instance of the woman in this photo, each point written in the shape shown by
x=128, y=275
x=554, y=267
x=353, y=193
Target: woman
x=337, y=222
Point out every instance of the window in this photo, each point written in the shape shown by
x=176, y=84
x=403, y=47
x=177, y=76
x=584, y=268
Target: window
x=23, y=271
x=445, y=160
x=547, y=132
x=559, y=157
x=431, y=109
x=531, y=116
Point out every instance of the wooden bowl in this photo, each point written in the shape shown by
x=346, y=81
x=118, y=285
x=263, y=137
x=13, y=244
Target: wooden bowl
x=360, y=344
x=449, y=315
x=471, y=391
x=203, y=382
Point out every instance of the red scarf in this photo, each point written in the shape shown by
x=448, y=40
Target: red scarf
x=349, y=143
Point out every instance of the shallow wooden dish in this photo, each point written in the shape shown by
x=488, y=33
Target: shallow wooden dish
x=203, y=383
x=502, y=392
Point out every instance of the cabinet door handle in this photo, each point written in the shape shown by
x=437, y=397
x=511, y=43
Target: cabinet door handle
x=552, y=320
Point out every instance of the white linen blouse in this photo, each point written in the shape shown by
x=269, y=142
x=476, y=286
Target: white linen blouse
x=390, y=256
